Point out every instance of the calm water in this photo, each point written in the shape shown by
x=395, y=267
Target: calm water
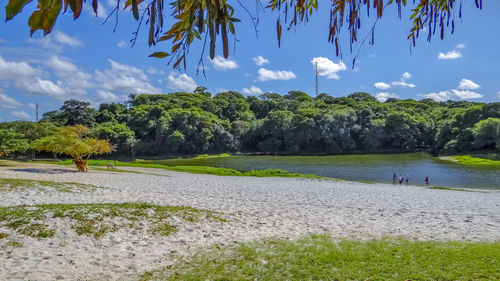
x=375, y=168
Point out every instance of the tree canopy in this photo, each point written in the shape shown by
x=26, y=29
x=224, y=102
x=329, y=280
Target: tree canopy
x=214, y=19
x=75, y=142
x=11, y=141
x=294, y=123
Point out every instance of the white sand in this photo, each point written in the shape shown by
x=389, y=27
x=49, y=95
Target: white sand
x=255, y=208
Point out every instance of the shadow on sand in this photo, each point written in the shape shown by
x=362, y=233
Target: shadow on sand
x=44, y=171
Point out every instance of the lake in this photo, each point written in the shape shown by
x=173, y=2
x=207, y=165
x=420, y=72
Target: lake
x=372, y=168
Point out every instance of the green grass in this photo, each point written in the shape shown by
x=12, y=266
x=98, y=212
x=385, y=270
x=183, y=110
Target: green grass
x=115, y=170
x=197, y=169
x=14, y=244
x=95, y=220
x=453, y=189
x=3, y=235
x=474, y=161
x=322, y=258
x=7, y=185
x=4, y=163
x=367, y=182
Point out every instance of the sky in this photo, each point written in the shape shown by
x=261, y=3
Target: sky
x=86, y=60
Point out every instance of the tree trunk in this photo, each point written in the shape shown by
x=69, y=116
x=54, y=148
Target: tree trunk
x=81, y=165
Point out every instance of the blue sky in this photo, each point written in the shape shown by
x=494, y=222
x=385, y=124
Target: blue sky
x=86, y=60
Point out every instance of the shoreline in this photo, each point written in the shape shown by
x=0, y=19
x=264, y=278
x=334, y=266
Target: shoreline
x=253, y=207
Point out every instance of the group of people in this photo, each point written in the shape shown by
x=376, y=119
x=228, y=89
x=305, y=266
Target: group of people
x=395, y=180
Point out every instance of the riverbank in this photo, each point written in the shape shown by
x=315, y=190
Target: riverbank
x=247, y=208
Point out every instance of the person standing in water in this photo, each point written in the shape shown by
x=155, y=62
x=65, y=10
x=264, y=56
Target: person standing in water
x=407, y=179
x=400, y=179
x=427, y=184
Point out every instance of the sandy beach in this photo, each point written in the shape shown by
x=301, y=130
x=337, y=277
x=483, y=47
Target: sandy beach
x=252, y=207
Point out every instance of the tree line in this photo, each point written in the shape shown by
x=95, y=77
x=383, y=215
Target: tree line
x=296, y=123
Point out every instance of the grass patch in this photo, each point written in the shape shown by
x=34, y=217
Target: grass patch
x=4, y=163
x=14, y=244
x=473, y=161
x=212, y=156
x=454, y=189
x=97, y=220
x=115, y=170
x=198, y=169
x=3, y=235
x=367, y=182
x=22, y=184
x=322, y=258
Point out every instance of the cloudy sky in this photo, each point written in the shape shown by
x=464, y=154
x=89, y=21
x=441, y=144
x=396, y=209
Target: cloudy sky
x=86, y=60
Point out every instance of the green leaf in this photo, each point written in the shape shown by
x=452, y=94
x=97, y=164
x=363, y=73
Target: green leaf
x=135, y=9
x=35, y=21
x=231, y=27
x=14, y=7
x=190, y=38
x=196, y=34
x=152, y=24
x=159, y=55
x=50, y=16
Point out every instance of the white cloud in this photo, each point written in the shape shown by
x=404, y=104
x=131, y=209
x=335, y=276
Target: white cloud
x=260, y=60
x=438, y=96
x=61, y=65
x=124, y=78
x=248, y=74
x=406, y=75
x=2, y=41
x=460, y=46
x=56, y=40
x=62, y=38
x=43, y=87
x=223, y=64
x=106, y=97
x=499, y=94
x=266, y=75
x=402, y=81
x=122, y=44
x=466, y=94
x=466, y=84
x=181, y=82
x=252, y=91
x=384, y=96
x=382, y=85
x=20, y=115
x=73, y=80
x=32, y=106
x=7, y=102
x=15, y=70
x=328, y=68
x=463, y=92
x=451, y=55
x=403, y=84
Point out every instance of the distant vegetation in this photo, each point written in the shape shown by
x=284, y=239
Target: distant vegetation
x=295, y=123
x=196, y=169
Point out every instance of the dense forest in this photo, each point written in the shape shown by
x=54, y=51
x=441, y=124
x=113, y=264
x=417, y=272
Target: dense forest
x=295, y=123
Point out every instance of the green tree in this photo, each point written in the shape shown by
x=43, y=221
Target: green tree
x=10, y=141
x=487, y=133
x=119, y=134
x=78, y=113
x=75, y=142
